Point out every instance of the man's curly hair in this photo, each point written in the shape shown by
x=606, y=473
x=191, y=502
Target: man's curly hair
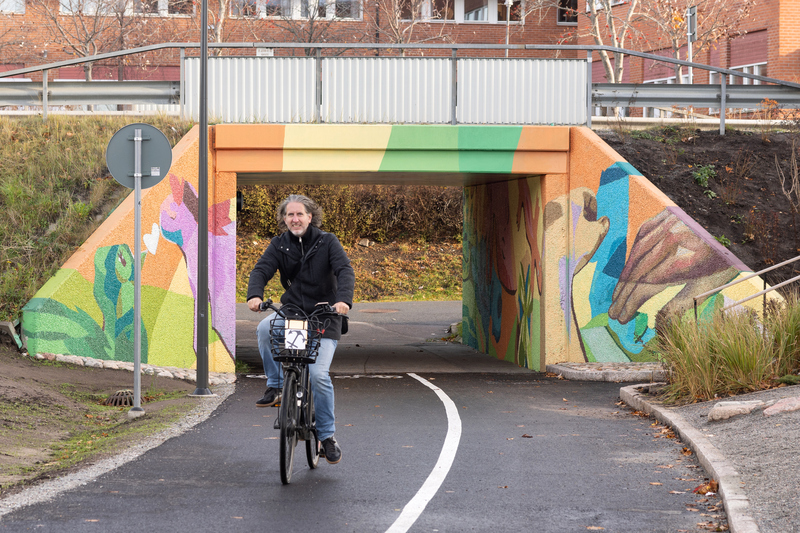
x=310, y=205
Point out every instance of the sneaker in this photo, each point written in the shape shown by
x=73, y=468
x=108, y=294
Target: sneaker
x=270, y=398
x=331, y=451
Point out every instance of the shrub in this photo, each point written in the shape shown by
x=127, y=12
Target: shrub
x=377, y=212
x=731, y=353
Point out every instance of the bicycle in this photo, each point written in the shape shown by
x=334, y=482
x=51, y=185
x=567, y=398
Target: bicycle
x=294, y=342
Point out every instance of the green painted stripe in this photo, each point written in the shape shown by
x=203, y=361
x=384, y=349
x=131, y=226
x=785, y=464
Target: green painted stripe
x=414, y=148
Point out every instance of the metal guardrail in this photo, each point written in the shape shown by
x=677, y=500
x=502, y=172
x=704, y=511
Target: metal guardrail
x=752, y=296
x=696, y=95
x=22, y=93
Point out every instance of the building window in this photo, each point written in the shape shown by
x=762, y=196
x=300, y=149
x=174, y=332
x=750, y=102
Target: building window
x=458, y=11
x=74, y=7
x=311, y=9
x=12, y=6
x=164, y=7
x=567, y=12
x=759, y=69
x=599, y=4
x=513, y=14
x=244, y=8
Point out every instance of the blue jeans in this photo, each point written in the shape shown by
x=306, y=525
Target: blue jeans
x=321, y=384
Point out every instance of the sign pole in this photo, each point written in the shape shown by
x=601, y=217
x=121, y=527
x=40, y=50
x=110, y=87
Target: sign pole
x=126, y=166
x=136, y=410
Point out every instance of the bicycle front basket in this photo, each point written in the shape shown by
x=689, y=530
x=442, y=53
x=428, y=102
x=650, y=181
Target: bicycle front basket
x=294, y=340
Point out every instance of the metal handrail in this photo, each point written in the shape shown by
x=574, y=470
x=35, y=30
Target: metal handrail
x=750, y=276
x=387, y=46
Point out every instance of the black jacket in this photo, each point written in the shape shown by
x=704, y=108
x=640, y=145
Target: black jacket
x=314, y=268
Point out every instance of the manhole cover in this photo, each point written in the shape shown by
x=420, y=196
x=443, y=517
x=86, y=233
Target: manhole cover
x=378, y=310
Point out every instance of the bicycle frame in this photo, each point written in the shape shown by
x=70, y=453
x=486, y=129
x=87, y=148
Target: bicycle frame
x=295, y=342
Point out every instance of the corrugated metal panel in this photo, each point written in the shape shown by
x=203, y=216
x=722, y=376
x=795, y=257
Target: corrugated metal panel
x=521, y=91
x=386, y=90
x=254, y=89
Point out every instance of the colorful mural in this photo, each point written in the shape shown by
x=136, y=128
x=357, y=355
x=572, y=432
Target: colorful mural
x=569, y=253
x=613, y=259
x=87, y=308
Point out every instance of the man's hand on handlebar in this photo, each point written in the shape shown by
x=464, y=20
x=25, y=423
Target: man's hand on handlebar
x=341, y=308
x=254, y=304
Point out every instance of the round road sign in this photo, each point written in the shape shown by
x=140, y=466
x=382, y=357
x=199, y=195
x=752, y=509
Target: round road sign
x=156, y=155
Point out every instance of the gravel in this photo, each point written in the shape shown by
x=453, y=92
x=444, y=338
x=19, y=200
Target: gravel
x=764, y=451
x=50, y=489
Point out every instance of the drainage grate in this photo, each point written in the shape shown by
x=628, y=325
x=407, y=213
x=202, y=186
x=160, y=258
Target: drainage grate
x=120, y=398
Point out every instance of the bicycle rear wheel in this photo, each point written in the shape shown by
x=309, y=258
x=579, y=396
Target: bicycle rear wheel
x=289, y=417
x=312, y=444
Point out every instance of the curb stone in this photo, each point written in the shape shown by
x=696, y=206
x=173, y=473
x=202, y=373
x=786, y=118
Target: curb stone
x=611, y=372
x=736, y=502
x=169, y=372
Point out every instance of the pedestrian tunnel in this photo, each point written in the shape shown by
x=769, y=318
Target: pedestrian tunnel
x=569, y=253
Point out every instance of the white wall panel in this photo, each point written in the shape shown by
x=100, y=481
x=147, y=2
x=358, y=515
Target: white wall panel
x=521, y=91
x=253, y=89
x=386, y=90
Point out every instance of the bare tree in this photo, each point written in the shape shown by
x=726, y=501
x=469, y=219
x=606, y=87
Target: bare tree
x=88, y=27
x=716, y=20
x=606, y=22
x=409, y=21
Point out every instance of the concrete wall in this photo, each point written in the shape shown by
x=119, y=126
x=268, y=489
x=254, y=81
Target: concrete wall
x=569, y=253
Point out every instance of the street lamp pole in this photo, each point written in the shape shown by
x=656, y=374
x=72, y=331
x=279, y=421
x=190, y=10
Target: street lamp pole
x=508, y=21
x=201, y=312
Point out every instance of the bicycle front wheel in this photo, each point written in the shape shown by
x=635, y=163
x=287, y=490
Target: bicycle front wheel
x=288, y=424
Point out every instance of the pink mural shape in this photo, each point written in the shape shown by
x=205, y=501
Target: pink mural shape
x=179, y=225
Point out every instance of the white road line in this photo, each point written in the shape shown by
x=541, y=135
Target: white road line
x=414, y=508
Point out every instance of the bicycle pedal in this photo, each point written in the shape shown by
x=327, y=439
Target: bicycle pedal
x=277, y=424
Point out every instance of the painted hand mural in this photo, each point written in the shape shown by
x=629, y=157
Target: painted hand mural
x=586, y=233
x=667, y=253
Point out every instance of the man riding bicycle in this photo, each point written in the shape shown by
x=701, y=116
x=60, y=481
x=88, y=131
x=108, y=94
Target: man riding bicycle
x=313, y=268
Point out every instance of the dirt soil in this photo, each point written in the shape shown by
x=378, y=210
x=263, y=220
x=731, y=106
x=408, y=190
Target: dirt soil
x=50, y=411
x=51, y=420
x=743, y=205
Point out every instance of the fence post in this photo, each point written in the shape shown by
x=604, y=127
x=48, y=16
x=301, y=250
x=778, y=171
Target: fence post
x=454, y=87
x=44, y=95
x=723, y=103
x=183, y=84
x=589, y=89
x=318, y=96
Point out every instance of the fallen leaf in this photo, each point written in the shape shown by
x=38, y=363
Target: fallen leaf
x=655, y=483
x=677, y=492
x=526, y=436
x=595, y=528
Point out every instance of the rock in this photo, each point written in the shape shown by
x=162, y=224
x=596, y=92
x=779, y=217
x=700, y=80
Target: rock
x=164, y=374
x=111, y=365
x=783, y=406
x=93, y=363
x=725, y=410
x=365, y=243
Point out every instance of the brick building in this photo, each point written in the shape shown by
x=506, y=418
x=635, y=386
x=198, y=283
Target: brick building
x=34, y=32
x=768, y=44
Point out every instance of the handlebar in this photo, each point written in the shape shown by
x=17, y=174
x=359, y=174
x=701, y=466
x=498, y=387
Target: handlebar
x=321, y=308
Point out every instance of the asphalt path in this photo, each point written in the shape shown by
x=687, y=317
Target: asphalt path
x=476, y=447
